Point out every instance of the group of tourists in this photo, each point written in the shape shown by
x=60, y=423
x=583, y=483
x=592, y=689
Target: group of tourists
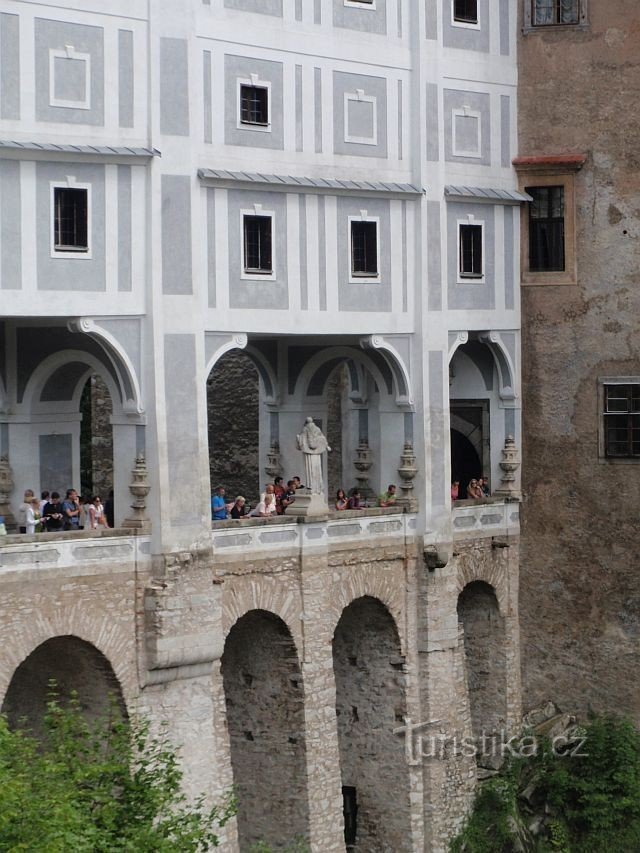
x=276, y=497
x=478, y=488
x=50, y=513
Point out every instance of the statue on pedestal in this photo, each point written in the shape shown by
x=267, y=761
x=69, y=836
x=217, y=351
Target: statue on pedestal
x=313, y=444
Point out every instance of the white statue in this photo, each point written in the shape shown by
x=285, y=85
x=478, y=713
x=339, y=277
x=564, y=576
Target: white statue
x=313, y=444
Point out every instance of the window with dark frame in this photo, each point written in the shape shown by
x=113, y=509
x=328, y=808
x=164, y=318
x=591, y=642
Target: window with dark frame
x=549, y=13
x=622, y=421
x=258, y=256
x=254, y=105
x=70, y=219
x=471, y=251
x=546, y=229
x=364, y=249
x=465, y=11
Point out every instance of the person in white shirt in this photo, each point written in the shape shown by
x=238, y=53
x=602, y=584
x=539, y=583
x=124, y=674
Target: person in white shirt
x=97, y=518
x=266, y=508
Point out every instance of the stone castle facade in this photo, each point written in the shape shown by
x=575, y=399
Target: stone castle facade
x=327, y=188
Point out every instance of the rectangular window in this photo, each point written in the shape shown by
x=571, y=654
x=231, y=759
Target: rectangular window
x=548, y=13
x=622, y=420
x=465, y=11
x=364, y=248
x=254, y=105
x=258, y=256
x=471, y=251
x=70, y=219
x=546, y=229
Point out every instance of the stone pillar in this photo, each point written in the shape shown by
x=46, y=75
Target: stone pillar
x=407, y=472
x=139, y=488
x=323, y=757
x=509, y=464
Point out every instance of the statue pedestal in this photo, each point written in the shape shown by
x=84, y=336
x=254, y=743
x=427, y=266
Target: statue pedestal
x=308, y=505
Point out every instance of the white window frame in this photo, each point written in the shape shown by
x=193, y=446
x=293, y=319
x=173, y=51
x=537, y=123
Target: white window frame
x=69, y=53
x=360, y=4
x=359, y=278
x=465, y=112
x=69, y=184
x=359, y=97
x=254, y=81
x=252, y=275
x=465, y=25
x=470, y=279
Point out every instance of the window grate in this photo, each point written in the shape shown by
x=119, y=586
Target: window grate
x=257, y=245
x=622, y=420
x=364, y=249
x=70, y=232
x=546, y=229
x=546, y=13
x=254, y=105
x=471, y=251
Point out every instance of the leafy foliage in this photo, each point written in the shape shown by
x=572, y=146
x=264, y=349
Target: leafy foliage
x=563, y=803
x=98, y=788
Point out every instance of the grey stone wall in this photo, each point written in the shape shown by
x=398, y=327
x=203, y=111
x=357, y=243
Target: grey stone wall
x=580, y=587
x=101, y=439
x=232, y=407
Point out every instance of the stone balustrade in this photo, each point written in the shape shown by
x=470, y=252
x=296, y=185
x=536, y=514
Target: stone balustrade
x=82, y=552
x=283, y=533
x=477, y=519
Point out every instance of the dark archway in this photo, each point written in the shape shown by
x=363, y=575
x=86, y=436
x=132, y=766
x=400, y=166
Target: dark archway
x=265, y=718
x=485, y=657
x=370, y=703
x=75, y=666
x=233, y=405
x=465, y=462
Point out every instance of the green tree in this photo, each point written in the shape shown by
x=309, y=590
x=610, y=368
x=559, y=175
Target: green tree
x=98, y=788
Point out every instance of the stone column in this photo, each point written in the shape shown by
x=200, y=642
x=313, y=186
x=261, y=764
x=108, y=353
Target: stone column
x=323, y=757
x=6, y=487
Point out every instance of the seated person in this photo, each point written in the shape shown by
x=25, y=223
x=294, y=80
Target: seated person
x=355, y=501
x=388, y=498
x=455, y=490
x=483, y=482
x=341, y=500
x=219, y=505
x=239, y=508
x=266, y=508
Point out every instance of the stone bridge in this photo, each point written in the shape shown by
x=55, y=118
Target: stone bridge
x=287, y=657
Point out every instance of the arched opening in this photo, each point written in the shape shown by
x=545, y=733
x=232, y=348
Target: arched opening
x=465, y=462
x=370, y=703
x=75, y=666
x=233, y=407
x=265, y=719
x=485, y=657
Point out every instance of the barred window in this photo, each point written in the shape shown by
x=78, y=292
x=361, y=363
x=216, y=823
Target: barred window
x=254, y=105
x=364, y=248
x=470, y=251
x=546, y=229
x=70, y=220
x=622, y=420
x=257, y=245
x=545, y=13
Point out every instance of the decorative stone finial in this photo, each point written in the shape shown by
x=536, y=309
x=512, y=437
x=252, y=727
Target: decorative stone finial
x=509, y=464
x=407, y=472
x=273, y=467
x=362, y=463
x=139, y=488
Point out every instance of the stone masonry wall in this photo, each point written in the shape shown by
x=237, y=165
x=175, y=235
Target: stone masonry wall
x=580, y=601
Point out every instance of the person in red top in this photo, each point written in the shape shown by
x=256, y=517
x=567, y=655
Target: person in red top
x=279, y=490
